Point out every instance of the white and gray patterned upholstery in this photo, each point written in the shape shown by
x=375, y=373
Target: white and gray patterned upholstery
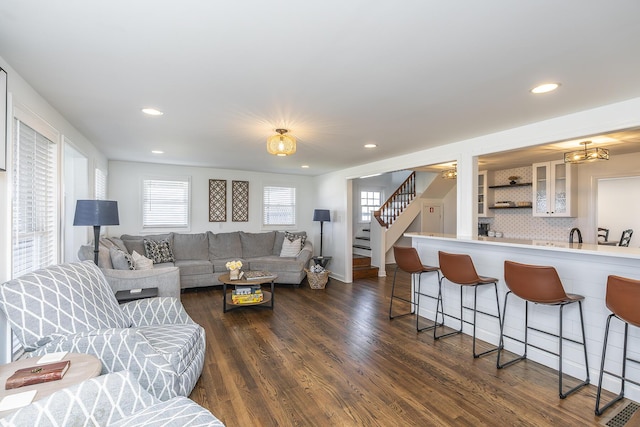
x=70, y=307
x=110, y=400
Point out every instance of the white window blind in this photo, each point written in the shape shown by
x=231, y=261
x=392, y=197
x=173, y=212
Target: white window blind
x=100, y=184
x=34, y=222
x=165, y=203
x=369, y=202
x=279, y=206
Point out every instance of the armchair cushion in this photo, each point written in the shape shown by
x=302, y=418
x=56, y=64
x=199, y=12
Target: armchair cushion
x=60, y=300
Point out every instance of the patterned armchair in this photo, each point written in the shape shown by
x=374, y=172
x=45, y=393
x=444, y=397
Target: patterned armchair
x=70, y=307
x=114, y=400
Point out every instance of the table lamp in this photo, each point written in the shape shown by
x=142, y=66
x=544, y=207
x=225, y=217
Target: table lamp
x=321, y=215
x=96, y=213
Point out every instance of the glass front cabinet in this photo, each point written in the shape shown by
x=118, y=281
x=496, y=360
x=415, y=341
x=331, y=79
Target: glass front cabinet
x=484, y=198
x=554, y=189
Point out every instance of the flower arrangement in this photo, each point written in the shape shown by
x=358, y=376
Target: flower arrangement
x=234, y=265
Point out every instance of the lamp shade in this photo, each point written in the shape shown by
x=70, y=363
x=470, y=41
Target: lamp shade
x=321, y=215
x=96, y=212
x=281, y=144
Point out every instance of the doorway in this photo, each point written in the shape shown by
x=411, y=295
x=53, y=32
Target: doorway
x=432, y=219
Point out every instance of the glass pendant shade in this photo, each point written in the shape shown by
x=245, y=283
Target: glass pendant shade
x=281, y=144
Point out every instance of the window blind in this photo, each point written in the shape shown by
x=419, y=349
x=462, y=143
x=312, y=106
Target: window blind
x=100, y=184
x=34, y=222
x=279, y=206
x=165, y=203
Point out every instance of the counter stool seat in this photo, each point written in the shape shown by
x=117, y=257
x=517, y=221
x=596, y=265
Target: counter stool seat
x=459, y=270
x=623, y=299
x=540, y=285
x=408, y=260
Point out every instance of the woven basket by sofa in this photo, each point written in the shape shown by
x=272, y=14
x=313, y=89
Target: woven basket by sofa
x=317, y=280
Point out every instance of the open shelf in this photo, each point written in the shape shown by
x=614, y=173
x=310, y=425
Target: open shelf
x=510, y=207
x=524, y=184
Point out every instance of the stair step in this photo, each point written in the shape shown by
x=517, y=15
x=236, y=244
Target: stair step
x=363, y=238
x=361, y=261
x=362, y=247
x=365, y=272
x=365, y=230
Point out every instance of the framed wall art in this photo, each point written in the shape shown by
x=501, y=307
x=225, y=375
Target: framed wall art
x=217, y=200
x=240, y=201
x=3, y=120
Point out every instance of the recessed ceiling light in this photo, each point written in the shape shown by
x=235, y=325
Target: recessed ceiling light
x=305, y=166
x=152, y=112
x=544, y=88
x=157, y=152
x=370, y=145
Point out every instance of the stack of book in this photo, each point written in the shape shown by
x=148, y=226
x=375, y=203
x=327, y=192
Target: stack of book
x=247, y=295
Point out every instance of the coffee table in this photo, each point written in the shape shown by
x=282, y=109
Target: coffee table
x=82, y=367
x=226, y=297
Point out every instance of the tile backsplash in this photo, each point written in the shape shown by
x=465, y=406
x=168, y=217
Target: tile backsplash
x=520, y=223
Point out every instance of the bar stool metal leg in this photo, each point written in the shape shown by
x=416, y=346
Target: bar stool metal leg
x=600, y=410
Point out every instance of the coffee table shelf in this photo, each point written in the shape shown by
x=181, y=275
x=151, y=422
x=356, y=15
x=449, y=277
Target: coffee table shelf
x=267, y=301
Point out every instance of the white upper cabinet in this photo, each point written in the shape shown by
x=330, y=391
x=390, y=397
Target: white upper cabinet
x=554, y=189
x=484, y=198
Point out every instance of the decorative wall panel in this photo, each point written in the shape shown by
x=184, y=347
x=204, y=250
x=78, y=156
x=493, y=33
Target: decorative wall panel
x=217, y=200
x=240, y=201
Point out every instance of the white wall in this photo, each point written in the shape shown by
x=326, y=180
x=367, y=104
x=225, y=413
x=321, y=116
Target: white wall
x=125, y=186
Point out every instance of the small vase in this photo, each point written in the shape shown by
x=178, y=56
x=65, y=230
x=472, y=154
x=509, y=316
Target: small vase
x=234, y=274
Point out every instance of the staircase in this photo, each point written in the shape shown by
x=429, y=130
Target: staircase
x=361, y=243
x=362, y=268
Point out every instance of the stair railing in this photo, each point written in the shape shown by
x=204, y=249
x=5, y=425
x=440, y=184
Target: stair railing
x=399, y=200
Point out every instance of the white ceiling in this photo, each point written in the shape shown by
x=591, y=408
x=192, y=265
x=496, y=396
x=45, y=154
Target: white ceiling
x=406, y=75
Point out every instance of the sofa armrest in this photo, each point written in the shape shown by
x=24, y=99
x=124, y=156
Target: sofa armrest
x=167, y=280
x=306, y=253
x=156, y=311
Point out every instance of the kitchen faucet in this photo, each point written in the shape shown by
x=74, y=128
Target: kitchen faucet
x=574, y=230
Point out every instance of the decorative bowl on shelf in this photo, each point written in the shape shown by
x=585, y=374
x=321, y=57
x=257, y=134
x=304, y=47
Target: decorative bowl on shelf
x=513, y=180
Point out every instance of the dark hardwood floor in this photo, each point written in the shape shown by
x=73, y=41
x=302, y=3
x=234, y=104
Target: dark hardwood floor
x=332, y=357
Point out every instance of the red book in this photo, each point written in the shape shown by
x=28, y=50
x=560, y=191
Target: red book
x=37, y=374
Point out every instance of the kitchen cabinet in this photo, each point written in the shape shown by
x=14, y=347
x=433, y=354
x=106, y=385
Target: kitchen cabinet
x=485, y=199
x=554, y=189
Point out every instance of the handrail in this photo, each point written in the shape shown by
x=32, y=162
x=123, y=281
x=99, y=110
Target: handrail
x=399, y=200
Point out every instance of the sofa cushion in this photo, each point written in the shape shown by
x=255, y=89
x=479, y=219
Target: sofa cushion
x=224, y=246
x=194, y=266
x=141, y=262
x=136, y=243
x=299, y=234
x=158, y=250
x=277, y=243
x=76, y=295
x=291, y=248
x=219, y=265
x=120, y=259
x=257, y=244
x=190, y=246
x=276, y=264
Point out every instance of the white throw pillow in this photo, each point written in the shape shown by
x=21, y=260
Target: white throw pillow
x=291, y=248
x=141, y=262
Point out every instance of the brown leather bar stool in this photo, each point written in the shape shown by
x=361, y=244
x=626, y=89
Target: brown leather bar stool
x=408, y=260
x=540, y=285
x=459, y=269
x=623, y=299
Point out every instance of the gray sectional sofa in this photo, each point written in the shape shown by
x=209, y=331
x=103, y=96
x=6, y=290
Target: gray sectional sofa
x=201, y=257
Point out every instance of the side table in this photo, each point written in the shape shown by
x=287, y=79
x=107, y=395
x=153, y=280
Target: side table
x=226, y=297
x=82, y=367
x=127, y=296
x=322, y=260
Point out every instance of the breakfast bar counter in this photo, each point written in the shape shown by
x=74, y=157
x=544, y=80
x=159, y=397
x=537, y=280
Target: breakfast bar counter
x=583, y=269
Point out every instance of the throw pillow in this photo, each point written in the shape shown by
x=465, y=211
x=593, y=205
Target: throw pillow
x=141, y=262
x=294, y=236
x=121, y=260
x=291, y=248
x=158, y=250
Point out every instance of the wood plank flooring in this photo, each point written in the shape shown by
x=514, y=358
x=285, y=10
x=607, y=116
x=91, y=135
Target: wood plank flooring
x=332, y=357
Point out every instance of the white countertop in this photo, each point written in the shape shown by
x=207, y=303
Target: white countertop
x=603, y=250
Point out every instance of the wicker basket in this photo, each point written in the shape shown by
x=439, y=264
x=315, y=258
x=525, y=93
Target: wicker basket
x=317, y=280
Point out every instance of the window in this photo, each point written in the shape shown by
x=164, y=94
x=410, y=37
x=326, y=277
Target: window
x=369, y=202
x=34, y=222
x=279, y=206
x=165, y=203
x=100, y=184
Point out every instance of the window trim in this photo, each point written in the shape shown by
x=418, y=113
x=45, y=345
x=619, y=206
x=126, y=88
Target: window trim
x=295, y=208
x=151, y=228
x=360, y=205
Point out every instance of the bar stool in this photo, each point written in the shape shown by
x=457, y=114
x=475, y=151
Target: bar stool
x=622, y=298
x=459, y=269
x=408, y=260
x=540, y=285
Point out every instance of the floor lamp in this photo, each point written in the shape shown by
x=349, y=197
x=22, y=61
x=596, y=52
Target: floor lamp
x=96, y=213
x=321, y=215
